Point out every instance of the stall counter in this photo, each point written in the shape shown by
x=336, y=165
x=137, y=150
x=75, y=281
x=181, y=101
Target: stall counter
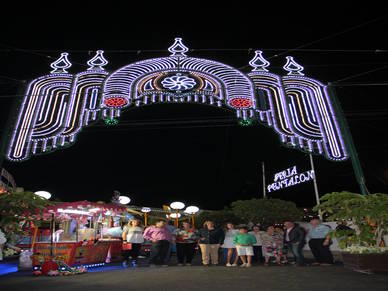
x=80, y=253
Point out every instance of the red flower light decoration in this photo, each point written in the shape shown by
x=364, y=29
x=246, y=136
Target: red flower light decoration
x=241, y=102
x=115, y=102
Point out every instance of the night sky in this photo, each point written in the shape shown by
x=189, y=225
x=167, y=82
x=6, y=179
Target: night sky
x=196, y=153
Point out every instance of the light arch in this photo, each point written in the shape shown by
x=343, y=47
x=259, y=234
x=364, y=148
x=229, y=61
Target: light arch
x=65, y=103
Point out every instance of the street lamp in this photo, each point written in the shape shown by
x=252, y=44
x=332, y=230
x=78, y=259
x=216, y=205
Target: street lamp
x=192, y=210
x=177, y=206
x=124, y=200
x=43, y=194
x=174, y=215
x=145, y=210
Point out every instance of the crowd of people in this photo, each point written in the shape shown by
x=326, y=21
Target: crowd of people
x=241, y=246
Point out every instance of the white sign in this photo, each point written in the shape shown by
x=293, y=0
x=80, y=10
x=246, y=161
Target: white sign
x=289, y=177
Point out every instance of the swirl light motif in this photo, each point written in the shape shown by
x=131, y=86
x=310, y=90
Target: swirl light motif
x=178, y=83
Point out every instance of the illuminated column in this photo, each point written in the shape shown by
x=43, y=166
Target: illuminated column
x=270, y=99
x=313, y=117
x=43, y=112
x=85, y=97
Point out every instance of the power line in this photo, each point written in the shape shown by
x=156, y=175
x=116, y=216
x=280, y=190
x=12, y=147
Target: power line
x=39, y=54
x=213, y=121
x=324, y=38
x=333, y=35
x=361, y=74
x=12, y=79
x=358, y=84
x=138, y=51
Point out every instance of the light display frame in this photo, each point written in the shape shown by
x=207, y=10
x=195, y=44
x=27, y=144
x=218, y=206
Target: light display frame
x=56, y=107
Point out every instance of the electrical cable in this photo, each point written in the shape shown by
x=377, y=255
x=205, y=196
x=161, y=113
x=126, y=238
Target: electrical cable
x=138, y=51
x=333, y=35
x=361, y=74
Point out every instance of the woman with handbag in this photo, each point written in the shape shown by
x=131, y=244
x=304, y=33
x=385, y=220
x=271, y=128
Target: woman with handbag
x=132, y=240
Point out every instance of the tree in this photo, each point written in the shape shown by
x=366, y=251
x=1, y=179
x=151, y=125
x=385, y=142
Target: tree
x=19, y=207
x=368, y=214
x=265, y=211
x=220, y=217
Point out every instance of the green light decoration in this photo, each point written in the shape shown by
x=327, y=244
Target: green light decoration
x=246, y=122
x=111, y=121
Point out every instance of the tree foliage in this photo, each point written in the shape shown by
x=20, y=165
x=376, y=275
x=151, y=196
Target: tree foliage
x=265, y=211
x=368, y=213
x=19, y=207
x=220, y=217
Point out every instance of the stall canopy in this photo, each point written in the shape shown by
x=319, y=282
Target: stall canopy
x=70, y=210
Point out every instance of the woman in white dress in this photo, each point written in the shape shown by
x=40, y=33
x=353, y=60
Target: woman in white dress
x=228, y=244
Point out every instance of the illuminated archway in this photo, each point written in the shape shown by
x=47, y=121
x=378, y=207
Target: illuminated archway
x=57, y=106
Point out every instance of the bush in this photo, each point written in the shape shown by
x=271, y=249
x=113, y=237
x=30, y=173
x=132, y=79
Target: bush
x=368, y=214
x=18, y=208
x=220, y=217
x=265, y=211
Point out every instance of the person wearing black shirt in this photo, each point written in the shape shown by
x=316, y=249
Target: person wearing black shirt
x=294, y=239
x=210, y=239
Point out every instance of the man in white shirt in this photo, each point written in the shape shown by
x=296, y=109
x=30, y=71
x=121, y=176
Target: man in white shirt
x=257, y=247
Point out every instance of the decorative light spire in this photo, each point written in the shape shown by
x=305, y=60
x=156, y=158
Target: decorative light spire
x=61, y=64
x=292, y=67
x=259, y=63
x=98, y=61
x=178, y=49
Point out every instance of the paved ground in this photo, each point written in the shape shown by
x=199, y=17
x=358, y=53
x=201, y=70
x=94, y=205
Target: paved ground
x=275, y=278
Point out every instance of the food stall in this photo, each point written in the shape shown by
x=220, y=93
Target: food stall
x=81, y=233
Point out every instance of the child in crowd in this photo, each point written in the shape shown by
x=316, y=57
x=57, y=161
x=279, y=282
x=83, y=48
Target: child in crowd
x=244, y=242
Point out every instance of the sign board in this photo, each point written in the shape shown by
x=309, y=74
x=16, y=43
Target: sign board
x=64, y=250
x=288, y=178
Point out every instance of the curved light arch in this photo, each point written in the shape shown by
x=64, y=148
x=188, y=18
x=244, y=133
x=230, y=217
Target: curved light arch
x=122, y=82
x=57, y=106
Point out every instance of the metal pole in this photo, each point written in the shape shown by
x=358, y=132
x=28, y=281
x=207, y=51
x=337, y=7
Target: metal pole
x=52, y=226
x=264, y=186
x=315, y=185
x=348, y=140
x=176, y=219
x=76, y=231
